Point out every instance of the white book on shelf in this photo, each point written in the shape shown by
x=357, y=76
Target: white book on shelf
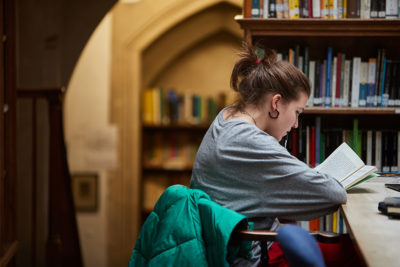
x=355, y=85
x=316, y=8
x=266, y=8
x=392, y=9
x=346, y=82
x=365, y=9
x=378, y=150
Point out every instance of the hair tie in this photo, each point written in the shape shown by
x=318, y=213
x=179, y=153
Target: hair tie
x=258, y=61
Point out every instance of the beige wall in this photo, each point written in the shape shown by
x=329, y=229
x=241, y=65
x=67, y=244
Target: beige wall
x=181, y=44
x=204, y=69
x=86, y=112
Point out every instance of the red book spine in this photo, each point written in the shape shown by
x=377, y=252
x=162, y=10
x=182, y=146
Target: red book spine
x=247, y=9
x=309, y=8
x=338, y=73
x=314, y=224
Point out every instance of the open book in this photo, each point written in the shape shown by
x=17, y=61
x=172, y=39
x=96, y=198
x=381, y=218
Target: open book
x=346, y=166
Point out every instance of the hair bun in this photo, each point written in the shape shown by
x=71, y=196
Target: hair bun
x=270, y=57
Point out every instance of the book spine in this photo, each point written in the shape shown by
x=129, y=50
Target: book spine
x=339, y=9
x=272, y=9
x=371, y=82
x=266, y=9
x=285, y=9
x=338, y=80
x=397, y=86
x=363, y=84
x=316, y=8
x=382, y=85
x=378, y=150
x=328, y=77
x=392, y=9
x=381, y=8
x=317, y=140
x=342, y=70
x=255, y=8
x=352, y=9
x=386, y=83
x=369, y=147
x=393, y=84
x=294, y=9
x=324, y=9
x=374, y=9
x=355, y=136
x=385, y=152
x=333, y=9
x=378, y=77
x=333, y=81
x=346, y=83
x=355, y=82
x=247, y=4
x=314, y=224
x=317, y=83
x=365, y=8
x=311, y=77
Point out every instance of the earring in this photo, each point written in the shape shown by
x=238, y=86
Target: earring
x=274, y=117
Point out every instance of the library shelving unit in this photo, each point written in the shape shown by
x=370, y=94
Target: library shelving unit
x=354, y=37
x=168, y=152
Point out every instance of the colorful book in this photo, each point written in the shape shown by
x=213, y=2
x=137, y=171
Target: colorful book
x=328, y=77
x=362, y=97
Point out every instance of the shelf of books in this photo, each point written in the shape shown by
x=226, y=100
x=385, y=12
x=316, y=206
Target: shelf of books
x=173, y=125
x=325, y=9
x=352, y=59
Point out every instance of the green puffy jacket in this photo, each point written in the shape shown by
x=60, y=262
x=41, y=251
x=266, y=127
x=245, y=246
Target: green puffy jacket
x=186, y=228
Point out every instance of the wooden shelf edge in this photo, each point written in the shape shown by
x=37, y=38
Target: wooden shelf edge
x=175, y=126
x=352, y=111
x=167, y=169
x=320, y=27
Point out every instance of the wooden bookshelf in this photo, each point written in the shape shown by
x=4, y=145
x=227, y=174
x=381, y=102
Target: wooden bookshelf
x=175, y=127
x=352, y=111
x=321, y=27
x=353, y=37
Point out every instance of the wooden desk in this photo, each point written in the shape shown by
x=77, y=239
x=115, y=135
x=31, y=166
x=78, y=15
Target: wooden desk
x=377, y=236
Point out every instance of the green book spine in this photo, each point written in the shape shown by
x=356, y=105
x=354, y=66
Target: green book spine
x=355, y=136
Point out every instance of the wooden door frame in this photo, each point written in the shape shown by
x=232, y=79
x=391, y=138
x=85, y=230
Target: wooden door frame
x=8, y=242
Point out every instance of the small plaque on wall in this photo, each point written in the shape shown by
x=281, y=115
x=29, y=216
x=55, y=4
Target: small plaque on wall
x=85, y=191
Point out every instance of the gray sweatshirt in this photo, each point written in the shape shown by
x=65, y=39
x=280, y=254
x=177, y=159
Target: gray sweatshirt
x=244, y=169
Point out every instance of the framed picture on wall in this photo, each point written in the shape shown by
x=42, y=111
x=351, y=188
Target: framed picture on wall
x=85, y=191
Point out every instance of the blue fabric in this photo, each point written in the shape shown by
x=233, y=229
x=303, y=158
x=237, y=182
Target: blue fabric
x=299, y=247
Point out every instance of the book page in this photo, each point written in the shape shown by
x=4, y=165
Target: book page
x=341, y=163
x=358, y=175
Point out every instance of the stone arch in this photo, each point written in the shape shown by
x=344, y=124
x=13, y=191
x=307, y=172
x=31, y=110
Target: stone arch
x=129, y=55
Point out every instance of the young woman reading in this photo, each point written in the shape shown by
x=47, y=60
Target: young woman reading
x=240, y=163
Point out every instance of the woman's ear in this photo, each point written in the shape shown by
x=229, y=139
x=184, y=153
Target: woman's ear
x=275, y=99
